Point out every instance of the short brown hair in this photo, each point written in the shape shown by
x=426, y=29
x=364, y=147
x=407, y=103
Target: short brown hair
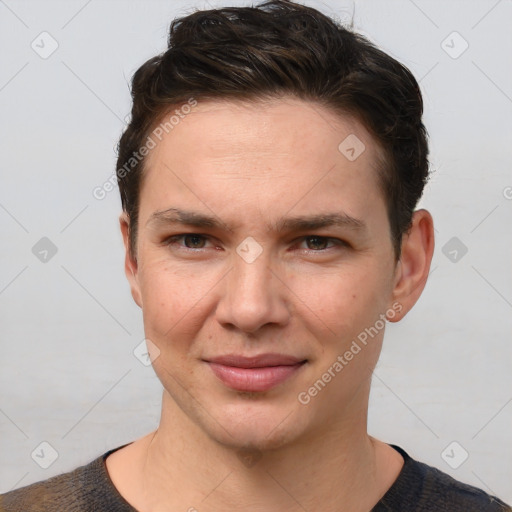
x=282, y=48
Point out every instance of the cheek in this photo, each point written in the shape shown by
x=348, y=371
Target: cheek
x=341, y=295
x=171, y=301
x=173, y=313
x=341, y=307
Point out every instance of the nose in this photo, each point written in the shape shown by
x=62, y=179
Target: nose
x=253, y=296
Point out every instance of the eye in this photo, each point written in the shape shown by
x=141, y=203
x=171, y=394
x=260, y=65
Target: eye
x=190, y=241
x=317, y=243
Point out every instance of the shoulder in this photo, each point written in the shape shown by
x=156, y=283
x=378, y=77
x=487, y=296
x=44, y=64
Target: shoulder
x=63, y=490
x=85, y=489
x=446, y=491
x=424, y=488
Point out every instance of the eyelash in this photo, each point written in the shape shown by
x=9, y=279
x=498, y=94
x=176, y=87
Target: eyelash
x=173, y=240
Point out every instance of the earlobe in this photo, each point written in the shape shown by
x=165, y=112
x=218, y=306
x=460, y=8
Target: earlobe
x=413, y=268
x=130, y=265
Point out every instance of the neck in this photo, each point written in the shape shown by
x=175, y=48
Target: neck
x=183, y=467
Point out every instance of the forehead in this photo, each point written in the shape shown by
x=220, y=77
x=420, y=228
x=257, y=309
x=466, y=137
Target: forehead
x=263, y=156
x=272, y=125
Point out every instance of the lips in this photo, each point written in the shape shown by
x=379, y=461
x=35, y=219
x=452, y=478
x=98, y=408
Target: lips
x=252, y=374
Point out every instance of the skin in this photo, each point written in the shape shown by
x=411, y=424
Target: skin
x=248, y=166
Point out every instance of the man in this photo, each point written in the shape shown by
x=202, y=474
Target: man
x=268, y=177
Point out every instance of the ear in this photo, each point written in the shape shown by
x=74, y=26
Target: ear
x=412, y=269
x=130, y=265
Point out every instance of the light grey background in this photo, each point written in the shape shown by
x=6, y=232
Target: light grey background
x=68, y=326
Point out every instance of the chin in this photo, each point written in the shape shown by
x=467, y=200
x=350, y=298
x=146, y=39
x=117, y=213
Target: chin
x=256, y=426
x=243, y=420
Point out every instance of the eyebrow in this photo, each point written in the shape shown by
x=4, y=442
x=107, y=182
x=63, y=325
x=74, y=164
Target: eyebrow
x=298, y=223
x=177, y=216
x=321, y=220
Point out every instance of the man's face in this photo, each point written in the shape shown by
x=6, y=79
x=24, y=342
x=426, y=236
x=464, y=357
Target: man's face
x=259, y=285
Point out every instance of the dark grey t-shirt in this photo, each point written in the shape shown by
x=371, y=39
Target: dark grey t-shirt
x=418, y=488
